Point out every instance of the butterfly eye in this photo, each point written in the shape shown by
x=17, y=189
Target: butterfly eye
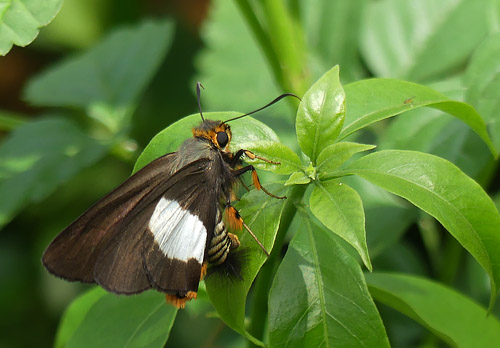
x=222, y=139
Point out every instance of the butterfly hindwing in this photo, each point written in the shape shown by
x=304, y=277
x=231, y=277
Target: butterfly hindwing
x=181, y=225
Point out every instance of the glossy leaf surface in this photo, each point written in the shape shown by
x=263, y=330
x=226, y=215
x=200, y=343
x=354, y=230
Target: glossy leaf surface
x=453, y=317
x=321, y=114
x=443, y=191
x=369, y=101
x=333, y=156
x=126, y=321
x=20, y=21
x=340, y=209
x=319, y=297
x=74, y=315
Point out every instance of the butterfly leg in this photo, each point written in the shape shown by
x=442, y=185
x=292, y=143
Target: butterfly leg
x=237, y=155
x=236, y=222
x=255, y=179
x=251, y=155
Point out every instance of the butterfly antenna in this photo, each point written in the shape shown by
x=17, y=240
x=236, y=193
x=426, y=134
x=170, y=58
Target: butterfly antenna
x=265, y=106
x=198, y=94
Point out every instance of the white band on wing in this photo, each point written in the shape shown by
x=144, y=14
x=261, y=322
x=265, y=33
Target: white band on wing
x=179, y=234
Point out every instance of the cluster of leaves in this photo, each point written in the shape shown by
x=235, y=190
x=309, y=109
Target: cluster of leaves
x=338, y=210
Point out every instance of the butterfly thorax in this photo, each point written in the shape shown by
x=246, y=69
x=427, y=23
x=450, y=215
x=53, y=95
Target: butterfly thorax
x=208, y=143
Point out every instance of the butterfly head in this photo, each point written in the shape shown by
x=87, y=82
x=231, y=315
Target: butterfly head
x=217, y=132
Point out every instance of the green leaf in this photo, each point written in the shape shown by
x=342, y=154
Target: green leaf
x=74, y=315
x=453, y=317
x=443, y=191
x=421, y=128
x=246, y=130
x=383, y=212
x=439, y=134
x=423, y=43
x=20, y=21
x=262, y=214
x=321, y=114
x=319, y=297
x=340, y=209
x=483, y=79
x=108, y=79
x=369, y=101
x=418, y=130
x=431, y=131
x=39, y=156
x=298, y=178
x=126, y=321
x=332, y=32
x=333, y=156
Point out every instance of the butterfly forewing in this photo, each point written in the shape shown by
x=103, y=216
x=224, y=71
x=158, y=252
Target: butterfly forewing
x=73, y=253
x=150, y=232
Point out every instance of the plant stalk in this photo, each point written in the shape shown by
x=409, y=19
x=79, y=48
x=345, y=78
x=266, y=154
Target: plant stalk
x=286, y=35
x=263, y=40
x=10, y=121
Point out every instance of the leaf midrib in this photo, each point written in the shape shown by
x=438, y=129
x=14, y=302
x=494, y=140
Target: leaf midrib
x=141, y=324
x=331, y=199
x=434, y=194
x=319, y=281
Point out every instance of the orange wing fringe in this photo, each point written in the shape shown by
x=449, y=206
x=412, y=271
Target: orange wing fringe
x=181, y=302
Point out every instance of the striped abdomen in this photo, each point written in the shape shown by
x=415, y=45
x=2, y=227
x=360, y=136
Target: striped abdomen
x=222, y=242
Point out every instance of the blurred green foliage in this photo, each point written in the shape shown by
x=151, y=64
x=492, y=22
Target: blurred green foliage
x=105, y=77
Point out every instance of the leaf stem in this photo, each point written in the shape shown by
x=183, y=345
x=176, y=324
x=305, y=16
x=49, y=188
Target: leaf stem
x=263, y=40
x=281, y=39
x=287, y=39
x=258, y=312
x=452, y=256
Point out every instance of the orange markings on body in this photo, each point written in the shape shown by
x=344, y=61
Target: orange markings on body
x=181, y=302
x=221, y=128
x=198, y=133
x=212, y=133
x=233, y=219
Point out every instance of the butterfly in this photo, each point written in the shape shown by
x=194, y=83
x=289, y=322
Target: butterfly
x=163, y=226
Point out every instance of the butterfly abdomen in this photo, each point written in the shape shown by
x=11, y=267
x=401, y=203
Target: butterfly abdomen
x=222, y=242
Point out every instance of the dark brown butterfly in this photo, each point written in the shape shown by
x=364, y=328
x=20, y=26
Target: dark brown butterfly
x=164, y=225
